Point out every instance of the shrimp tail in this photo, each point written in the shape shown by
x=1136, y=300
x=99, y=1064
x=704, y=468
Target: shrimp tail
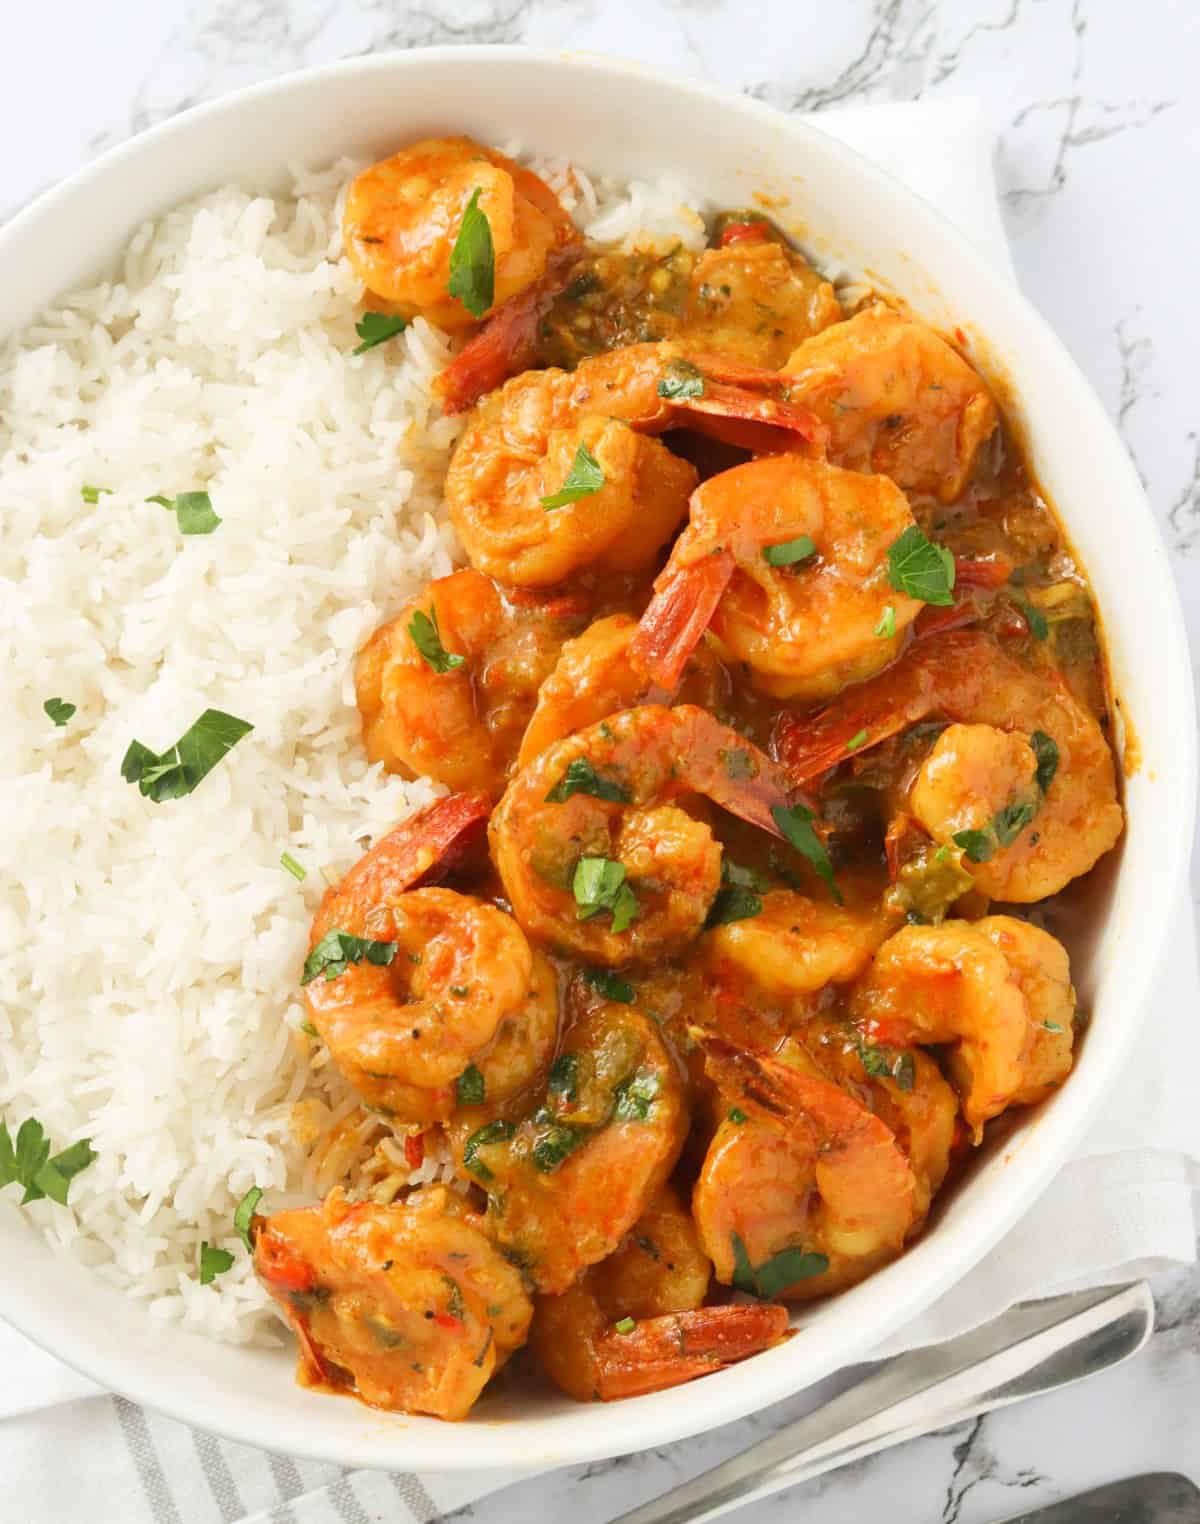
x=421, y=850
x=506, y=342
x=678, y=615
x=667, y=1351
x=748, y=784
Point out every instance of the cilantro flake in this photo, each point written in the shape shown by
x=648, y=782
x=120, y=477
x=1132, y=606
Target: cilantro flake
x=795, y=823
x=425, y=635
x=470, y=1088
x=473, y=260
x=886, y=628
x=682, y=380
x=610, y=985
x=58, y=710
x=177, y=772
x=213, y=1262
x=244, y=1214
x=921, y=568
x=775, y=1274
x=582, y=778
x=376, y=328
x=585, y=477
x=599, y=884
x=791, y=551
x=337, y=949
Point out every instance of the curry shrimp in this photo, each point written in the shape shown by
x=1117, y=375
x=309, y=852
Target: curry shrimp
x=804, y=1190
x=785, y=560
x=411, y=987
x=998, y=991
x=596, y=851
x=603, y=1136
x=896, y=400
x=447, y=687
x=1021, y=780
x=555, y=473
x=404, y=215
x=637, y=1322
x=409, y=1305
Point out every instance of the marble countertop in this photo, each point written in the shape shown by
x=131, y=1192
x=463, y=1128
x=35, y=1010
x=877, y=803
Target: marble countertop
x=1098, y=127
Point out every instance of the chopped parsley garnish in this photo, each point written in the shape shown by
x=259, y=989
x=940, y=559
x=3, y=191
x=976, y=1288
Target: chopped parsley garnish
x=635, y=1096
x=791, y=551
x=856, y=741
x=739, y=764
x=610, y=985
x=921, y=567
x=58, y=710
x=564, y=1076
x=978, y=846
x=244, y=1214
x=1035, y=619
x=682, y=380
x=1009, y=822
x=193, y=511
x=625, y=1325
x=796, y=825
x=498, y=1131
x=213, y=1262
x=177, y=772
x=30, y=1165
x=1052, y=1026
x=886, y=628
x=582, y=778
x=585, y=477
x=298, y=872
x=598, y=885
x=473, y=260
x=884, y=1063
x=556, y=1144
x=777, y=1273
x=376, y=328
x=425, y=635
x=738, y=898
x=1045, y=749
x=93, y=494
x=737, y=1115
x=470, y=1087
x=337, y=948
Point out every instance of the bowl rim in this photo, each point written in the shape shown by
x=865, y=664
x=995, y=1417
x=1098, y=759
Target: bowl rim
x=701, y=1405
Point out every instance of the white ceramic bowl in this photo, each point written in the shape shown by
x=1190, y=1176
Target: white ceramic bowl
x=626, y=120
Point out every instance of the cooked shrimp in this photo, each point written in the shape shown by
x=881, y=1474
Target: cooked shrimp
x=568, y=1179
x=1049, y=822
x=636, y=1322
x=985, y=988
x=595, y=856
x=596, y=675
x=803, y=1191
x=403, y=216
x=429, y=993
x=409, y=1305
x=805, y=628
x=523, y=441
x=896, y=399
x=796, y=946
x=455, y=710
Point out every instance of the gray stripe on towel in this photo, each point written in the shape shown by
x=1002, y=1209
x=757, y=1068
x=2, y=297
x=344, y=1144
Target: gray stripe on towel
x=218, y=1476
x=145, y=1458
x=413, y=1494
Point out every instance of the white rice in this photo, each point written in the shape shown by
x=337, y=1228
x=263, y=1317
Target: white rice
x=149, y=953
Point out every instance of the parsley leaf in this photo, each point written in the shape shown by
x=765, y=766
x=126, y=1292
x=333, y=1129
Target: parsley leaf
x=599, y=884
x=1009, y=822
x=585, y=477
x=193, y=511
x=178, y=771
x=885, y=1063
x=92, y=494
x=473, y=260
x=498, y=1131
x=582, y=778
x=738, y=898
x=1034, y=618
x=977, y=845
x=1045, y=749
x=624, y=1325
x=789, y=552
x=213, y=1262
x=635, y=1097
x=682, y=380
x=886, y=628
x=470, y=1087
x=921, y=568
x=610, y=985
x=738, y=763
x=775, y=1274
x=564, y=1076
x=553, y=1146
x=58, y=710
x=425, y=635
x=29, y=1163
x=737, y=1116
x=796, y=825
x=244, y=1214
x=338, y=948
x=376, y=328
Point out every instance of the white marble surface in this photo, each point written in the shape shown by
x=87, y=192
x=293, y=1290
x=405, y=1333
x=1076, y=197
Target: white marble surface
x=1098, y=122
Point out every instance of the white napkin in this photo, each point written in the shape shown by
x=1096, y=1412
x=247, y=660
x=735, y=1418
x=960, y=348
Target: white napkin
x=1121, y=1208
